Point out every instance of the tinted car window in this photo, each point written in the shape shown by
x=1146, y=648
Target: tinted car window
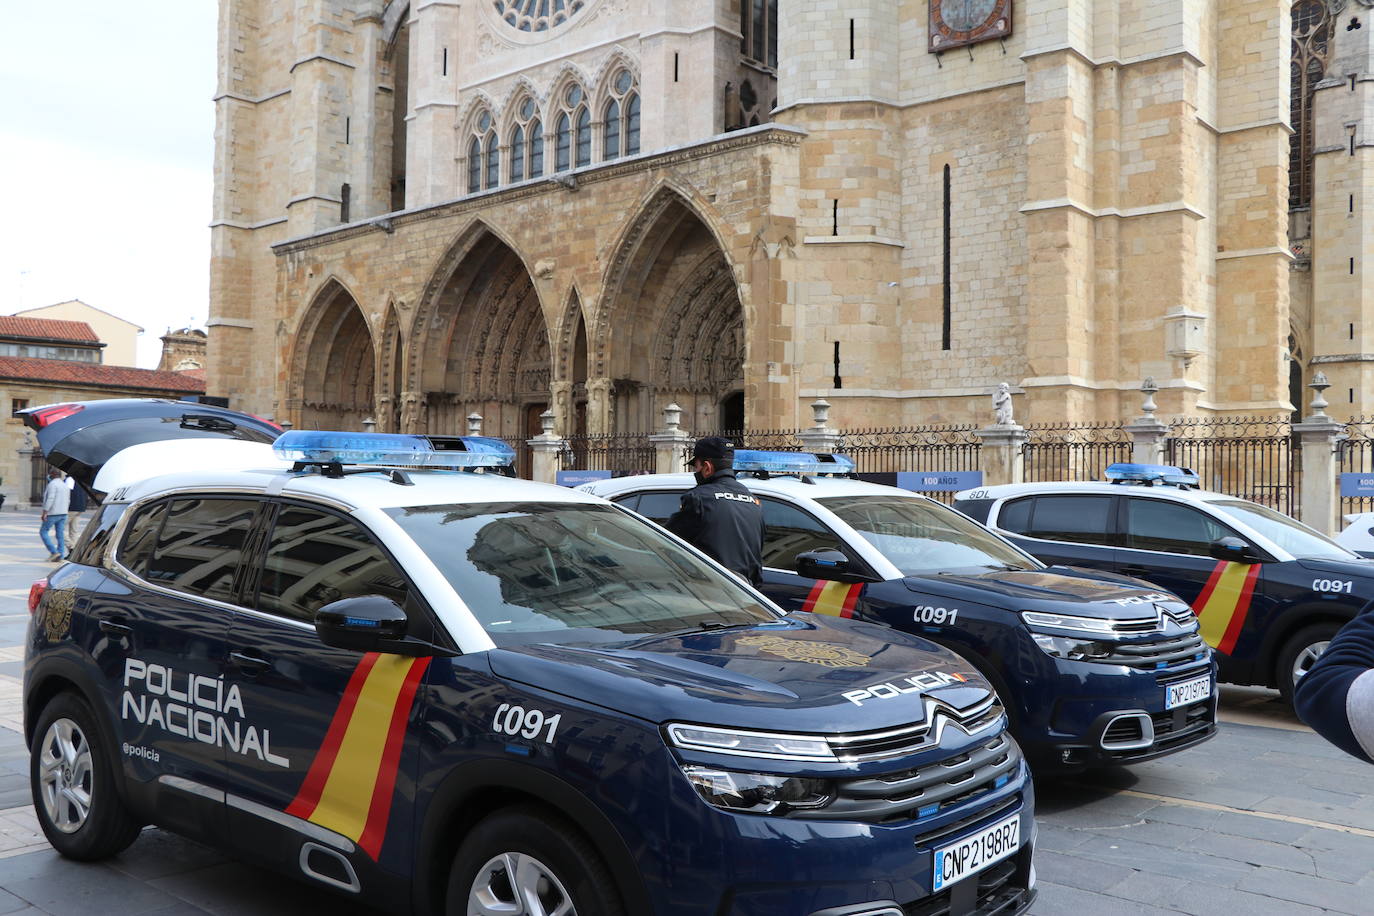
x=91, y=546
x=1015, y=516
x=1081, y=519
x=141, y=538
x=1153, y=524
x=789, y=531
x=201, y=546
x=659, y=506
x=315, y=557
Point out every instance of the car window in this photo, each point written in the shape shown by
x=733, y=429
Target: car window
x=573, y=572
x=316, y=557
x=90, y=548
x=659, y=506
x=1155, y=524
x=789, y=531
x=1015, y=515
x=629, y=502
x=1079, y=519
x=141, y=538
x=1290, y=534
x=201, y=545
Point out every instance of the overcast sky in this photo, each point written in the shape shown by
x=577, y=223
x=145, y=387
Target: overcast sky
x=106, y=150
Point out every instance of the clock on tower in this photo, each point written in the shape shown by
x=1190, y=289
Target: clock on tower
x=955, y=23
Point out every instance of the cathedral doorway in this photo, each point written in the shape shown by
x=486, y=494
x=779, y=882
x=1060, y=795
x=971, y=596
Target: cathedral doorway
x=334, y=363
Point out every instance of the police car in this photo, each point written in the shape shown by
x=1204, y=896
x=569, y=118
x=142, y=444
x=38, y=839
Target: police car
x=1268, y=591
x=1092, y=671
x=368, y=661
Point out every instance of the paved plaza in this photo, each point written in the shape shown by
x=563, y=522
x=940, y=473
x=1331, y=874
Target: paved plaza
x=1264, y=819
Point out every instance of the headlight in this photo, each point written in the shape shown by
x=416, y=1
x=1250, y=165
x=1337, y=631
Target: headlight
x=1036, y=619
x=750, y=744
x=1068, y=647
x=758, y=793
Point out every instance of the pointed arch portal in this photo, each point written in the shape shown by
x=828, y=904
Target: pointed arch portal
x=334, y=362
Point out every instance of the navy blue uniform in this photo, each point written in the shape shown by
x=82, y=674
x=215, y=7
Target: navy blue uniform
x=722, y=519
x=1336, y=697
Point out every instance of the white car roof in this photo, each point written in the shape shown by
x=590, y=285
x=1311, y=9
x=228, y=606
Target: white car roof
x=784, y=485
x=1005, y=491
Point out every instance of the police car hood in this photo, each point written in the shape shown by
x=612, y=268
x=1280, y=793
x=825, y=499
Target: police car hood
x=1352, y=567
x=1069, y=590
x=792, y=675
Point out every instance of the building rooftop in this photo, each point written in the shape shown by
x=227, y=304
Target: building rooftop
x=75, y=373
x=14, y=326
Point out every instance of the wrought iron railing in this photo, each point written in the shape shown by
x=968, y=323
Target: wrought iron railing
x=620, y=453
x=1355, y=455
x=1072, y=451
x=1249, y=457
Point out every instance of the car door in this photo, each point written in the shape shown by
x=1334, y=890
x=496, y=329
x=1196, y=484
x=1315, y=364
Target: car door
x=160, y=627
x=788, y=531
x=1068, y=529
x=326, y=736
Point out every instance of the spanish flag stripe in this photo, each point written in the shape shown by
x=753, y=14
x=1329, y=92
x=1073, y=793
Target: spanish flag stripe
x=1207, y=589
x=851, y=600
x=834, y=599
x=815, y=594
x=1228, y=642
x=346, y=800
x=309, y=795
x=1227, y=598
x=380, y=810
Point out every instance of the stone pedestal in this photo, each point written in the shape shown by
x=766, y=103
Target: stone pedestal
x=1147, y=440
x=546, y=449
x=1318, y=502
x=1001, y=454
x=670, y=450
x=820, y=441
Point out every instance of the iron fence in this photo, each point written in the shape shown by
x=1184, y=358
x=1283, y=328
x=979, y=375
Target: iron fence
x=621, y=453
x=782, y=440
x=1076, y=452
x=1249, y=457
x=1355, y=455
x=916, y=448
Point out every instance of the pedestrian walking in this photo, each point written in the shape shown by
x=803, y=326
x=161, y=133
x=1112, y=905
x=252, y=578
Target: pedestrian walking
x=1336, y=695
x=76, y=505
x=720, y=516
x=53, y=530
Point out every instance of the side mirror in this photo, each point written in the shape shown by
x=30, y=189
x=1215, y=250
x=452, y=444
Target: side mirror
x=827, y=563
x=371, y=623
x=1235, y=550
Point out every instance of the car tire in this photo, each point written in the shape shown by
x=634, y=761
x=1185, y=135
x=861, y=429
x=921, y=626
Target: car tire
x=1298, y=654
x=73, y=782
x=527, y=849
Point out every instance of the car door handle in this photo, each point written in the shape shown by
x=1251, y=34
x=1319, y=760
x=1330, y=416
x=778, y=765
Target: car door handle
x=114, y=626
x=249, y=664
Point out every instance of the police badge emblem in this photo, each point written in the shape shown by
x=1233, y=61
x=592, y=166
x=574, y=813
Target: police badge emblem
x=825, y=654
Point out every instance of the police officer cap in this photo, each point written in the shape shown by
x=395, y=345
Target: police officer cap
x=713, y=448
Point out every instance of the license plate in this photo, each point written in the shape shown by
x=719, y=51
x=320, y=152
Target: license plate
x=1199, y=688
x=973, y=854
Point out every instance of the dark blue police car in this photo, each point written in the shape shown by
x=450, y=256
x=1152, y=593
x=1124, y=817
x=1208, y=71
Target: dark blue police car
x=1269, y=591
x=1094, y=668
x=442, y=691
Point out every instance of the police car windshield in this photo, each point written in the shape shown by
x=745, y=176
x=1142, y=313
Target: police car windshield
x=1290, y=534
x=570, y=572
x=920, y=536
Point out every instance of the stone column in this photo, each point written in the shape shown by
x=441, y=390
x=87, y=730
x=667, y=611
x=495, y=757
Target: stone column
x=1147, y=433
x=820, y=438
x=671, y=444
x=1001, y=453
x=1318, y=434
x=547, y=447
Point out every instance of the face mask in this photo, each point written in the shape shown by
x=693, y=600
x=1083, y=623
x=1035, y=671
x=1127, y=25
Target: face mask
x=699, y=477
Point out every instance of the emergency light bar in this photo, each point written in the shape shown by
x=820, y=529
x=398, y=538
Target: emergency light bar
x=393, y=449
x=1151, y=474
x=791, y=462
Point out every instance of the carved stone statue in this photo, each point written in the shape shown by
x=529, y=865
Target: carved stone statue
x=1001, y=405
x=412, y=412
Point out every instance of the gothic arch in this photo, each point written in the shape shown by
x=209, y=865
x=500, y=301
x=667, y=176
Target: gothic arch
x=606, y=70
x=671, y=325
x=390, y=371
x=394, y=19
x=333, y=361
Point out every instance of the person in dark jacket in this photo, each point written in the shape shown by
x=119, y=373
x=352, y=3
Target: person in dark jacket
x=719, y=516
x=1336, y=695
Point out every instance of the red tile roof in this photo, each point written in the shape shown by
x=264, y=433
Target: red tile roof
x=46, y=329
x=92, y=375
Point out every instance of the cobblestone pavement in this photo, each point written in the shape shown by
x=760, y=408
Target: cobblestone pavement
x=1264, y=819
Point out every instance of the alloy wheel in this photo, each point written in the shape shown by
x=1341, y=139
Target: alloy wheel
x=65, y=775
x=516, y=884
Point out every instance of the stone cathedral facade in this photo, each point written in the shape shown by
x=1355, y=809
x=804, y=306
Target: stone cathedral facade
x=429, y=208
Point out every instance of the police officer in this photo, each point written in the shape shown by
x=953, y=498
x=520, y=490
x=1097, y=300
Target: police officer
x=719, y=515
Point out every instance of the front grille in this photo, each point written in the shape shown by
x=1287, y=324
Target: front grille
x=1001, y=890
x=1158, y=654
x=1174, y=729
x=1124, y=730
x=909, y=739
x=925, y=791
x=1179, y=674
x=1183, y=616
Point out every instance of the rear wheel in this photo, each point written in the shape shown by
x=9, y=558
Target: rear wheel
x=1299, y=653
x=522, y=862
x=73, y=784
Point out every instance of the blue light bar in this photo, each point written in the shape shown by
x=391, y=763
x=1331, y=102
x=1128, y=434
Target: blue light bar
x=393, y=449
x=1153, y=473
x=791, y=462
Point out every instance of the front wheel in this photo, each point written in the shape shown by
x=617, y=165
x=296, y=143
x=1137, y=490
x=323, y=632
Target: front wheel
x=522, y=862
x=1299, y=654
x=73, y=785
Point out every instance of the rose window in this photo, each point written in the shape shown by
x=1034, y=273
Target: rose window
x=537, y=15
